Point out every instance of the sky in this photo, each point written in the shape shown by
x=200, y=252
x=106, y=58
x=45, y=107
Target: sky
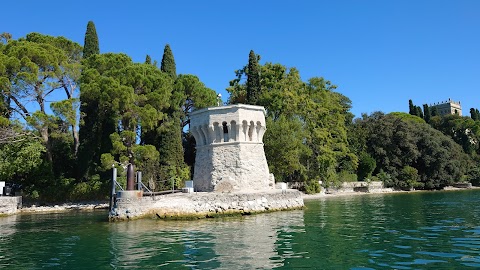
x=379, y=53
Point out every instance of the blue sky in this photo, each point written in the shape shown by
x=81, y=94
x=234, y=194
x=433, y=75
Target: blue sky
x=380, y=54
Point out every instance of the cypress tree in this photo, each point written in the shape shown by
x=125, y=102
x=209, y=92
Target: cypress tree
x=411, y=108
x=253, y=78
x=170, y=147
x=148, y=60
x=95, y=126
x=474, y=114
x=90, y=46
x=168, y=62
x=433, y=111
x=426, y=112
x=418, y=111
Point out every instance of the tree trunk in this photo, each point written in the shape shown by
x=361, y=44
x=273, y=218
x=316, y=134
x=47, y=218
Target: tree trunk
x=46, y=140
x=76, y=140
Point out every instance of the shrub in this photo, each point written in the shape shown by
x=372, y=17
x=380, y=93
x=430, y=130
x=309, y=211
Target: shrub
x=408, y=178
x=92, y=190
x=347, y=177
x=312, y=186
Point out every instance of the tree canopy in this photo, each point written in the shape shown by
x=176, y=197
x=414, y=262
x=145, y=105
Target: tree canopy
x=316, y=113
x=400, y=142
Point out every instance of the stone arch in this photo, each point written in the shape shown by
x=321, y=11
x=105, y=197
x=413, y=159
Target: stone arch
x=260, y=131
x=251, y=134
x=199, y=136
x=244, y=129
x=209, y=133
x=217, y=132
x=234, y=131
x=203, y=131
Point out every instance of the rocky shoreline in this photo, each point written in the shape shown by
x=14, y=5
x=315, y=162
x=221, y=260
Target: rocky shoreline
x=378, y=191
x=81, y=206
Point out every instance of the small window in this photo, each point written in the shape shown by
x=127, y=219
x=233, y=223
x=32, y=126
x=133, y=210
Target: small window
x=225, y=132
x=225, y=129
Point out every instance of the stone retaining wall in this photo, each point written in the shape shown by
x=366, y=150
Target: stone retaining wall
x=205, y=204
x=10, y=205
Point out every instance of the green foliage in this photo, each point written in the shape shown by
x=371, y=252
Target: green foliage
x=36, y=67
x=126, y=93
x=148, y=60
x=285, y=151
x=172, y=164
x=40, y=155
x=345, y=176
x=91, y=46
x=190, y=94
x=312, y=186
x=386, y=178
x=322, y=113
x=253, y=86
x=407, y=117
x=408, y=178
x=474, y=114
x=426, y=112
x=118, y=97
x=419, y=112
x=411, y=108
x=66, y=110
x=168, y=62
x=463, y=130
x=396, y=143
x=366, y=165
x=473, y=176
x=18, y=159
x=85, y=191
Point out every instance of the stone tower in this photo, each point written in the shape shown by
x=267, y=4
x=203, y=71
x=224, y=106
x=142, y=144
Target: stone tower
x=448, y=107
x=230, y=155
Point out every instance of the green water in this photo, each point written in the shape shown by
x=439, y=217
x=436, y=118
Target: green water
x=432, y=230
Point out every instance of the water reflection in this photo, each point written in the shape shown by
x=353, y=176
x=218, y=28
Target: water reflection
x=7, y=226
x=251, y=242
x=402, y=231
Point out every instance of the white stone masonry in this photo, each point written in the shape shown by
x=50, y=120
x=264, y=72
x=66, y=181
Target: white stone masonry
x=230, y=154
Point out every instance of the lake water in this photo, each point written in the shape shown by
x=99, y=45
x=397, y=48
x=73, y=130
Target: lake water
x=430, y=230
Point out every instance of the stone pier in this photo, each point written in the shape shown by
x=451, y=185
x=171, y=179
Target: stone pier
x=10, y=205
x=205, y=204
x=231, y=172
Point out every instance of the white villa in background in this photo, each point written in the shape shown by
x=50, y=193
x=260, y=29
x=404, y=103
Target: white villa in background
x=447, y=107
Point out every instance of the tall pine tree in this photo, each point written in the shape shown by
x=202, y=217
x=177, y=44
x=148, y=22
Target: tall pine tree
x=90, y=46
x=253, y=78
x=168, y=62
x=95, y=125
